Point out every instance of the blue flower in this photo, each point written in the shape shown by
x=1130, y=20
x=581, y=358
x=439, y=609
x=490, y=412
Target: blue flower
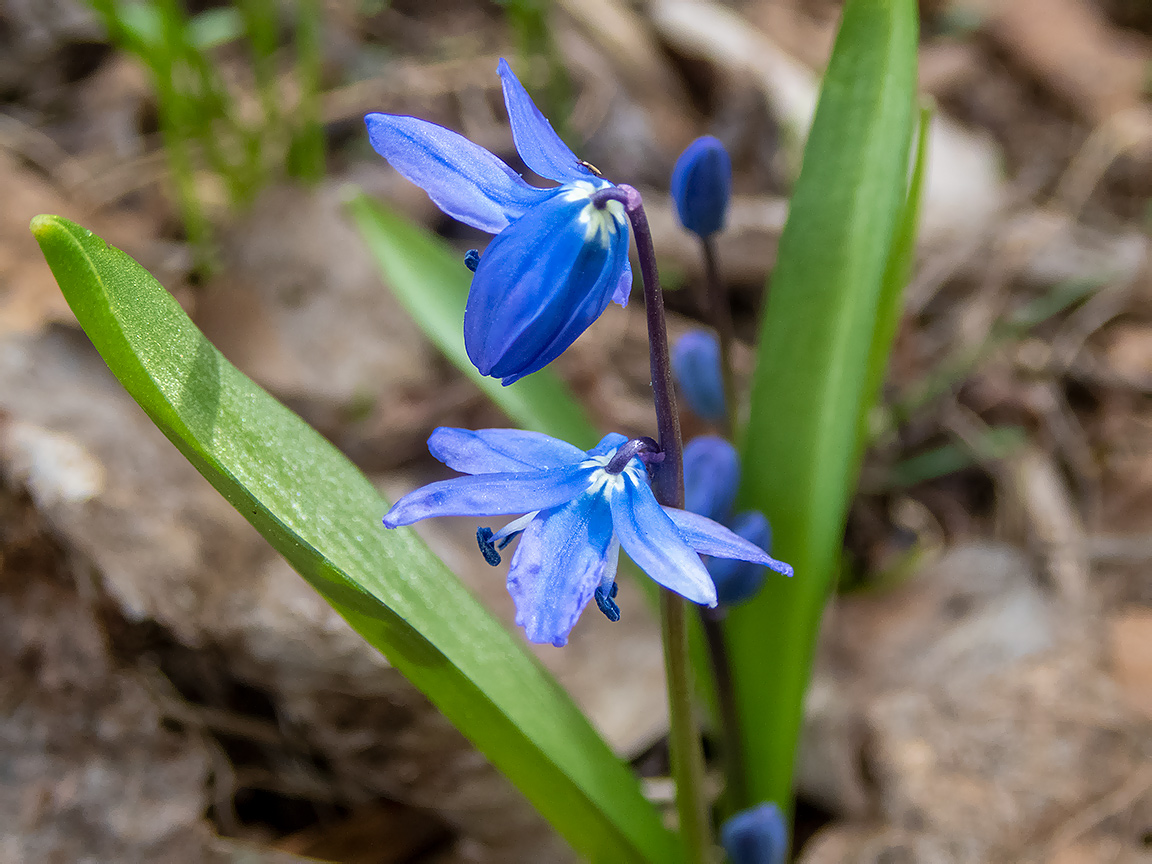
x=557, y=258
x=756, y=836
x=711, y=477
x=581, y=509
x=702, y=185
x=696, y=365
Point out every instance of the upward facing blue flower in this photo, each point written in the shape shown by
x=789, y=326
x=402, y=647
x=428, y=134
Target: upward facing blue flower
x=557, y=258
x=581, y=508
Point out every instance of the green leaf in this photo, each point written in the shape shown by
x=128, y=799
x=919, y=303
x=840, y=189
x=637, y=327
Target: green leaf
x=215, y=27
x=430, y=280
x=323, y=515
x=890, y=307
x=808, y=390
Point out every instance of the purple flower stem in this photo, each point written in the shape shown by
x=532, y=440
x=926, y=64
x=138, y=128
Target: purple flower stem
x=668, y=484
x=713, y=301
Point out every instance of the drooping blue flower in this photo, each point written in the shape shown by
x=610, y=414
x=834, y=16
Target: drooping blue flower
x=756, y=836
x=557, y=259
x=580, y=509
x=696, y=366
x=711, y=477
x=702, y=185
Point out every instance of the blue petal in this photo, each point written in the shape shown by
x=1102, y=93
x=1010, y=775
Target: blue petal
x=756, y=836
x=465, y=180
x=557, y=567
x=711, y=475
x=492, y=451
x=540, y=284
x=737, y=581
x=623, y=287
x=651, y=539
x=711, y=538
x=608, y=444
x=696, y=366
x=490, y=495
x=536, y=141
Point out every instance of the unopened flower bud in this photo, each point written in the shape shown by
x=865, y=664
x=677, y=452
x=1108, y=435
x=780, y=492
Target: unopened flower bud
x=702, y=185
x=756, y=836
x=696, y=366
x=711, y=475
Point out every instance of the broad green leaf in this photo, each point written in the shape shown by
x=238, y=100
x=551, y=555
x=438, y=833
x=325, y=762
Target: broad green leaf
x=323, y=515
x=808, y=390
x=430, y=280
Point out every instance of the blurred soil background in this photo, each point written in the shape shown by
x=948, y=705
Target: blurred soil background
x=170, y=691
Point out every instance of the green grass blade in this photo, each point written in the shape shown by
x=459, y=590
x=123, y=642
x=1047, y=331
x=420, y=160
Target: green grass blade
x=815, y=340
x=431, y=281
x=890, y=307
x=323, y=515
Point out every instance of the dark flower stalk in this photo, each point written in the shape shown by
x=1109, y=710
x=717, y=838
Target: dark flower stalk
x=713, y=300
x=668, y=484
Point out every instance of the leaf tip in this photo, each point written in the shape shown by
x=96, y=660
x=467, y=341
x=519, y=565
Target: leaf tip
x=42, y=224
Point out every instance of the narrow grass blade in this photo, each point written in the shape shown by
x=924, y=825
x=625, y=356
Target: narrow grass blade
x=323, y=515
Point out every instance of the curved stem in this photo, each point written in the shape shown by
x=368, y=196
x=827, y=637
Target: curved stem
x=668, y=484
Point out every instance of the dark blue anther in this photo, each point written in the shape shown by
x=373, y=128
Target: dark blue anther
x=606, y=603
x=472, y=259
x=644, y=447
x=487, y=547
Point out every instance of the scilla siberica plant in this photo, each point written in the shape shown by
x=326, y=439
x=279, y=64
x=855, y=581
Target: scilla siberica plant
x=559, y=256
x=557, y=260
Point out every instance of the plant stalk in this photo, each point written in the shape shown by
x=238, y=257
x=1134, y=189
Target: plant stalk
x=668, y=484
x=713, y=301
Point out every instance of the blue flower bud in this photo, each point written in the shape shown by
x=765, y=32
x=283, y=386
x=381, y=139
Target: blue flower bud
x=756, y=836
x=696, y=367
x=702, y=185
x=735, y=580
x=711, y=475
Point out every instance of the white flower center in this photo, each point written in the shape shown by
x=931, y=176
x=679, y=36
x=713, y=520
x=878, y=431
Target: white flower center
x=603, y=482
x=598, y=222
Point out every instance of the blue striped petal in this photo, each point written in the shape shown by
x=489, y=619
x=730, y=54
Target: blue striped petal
x=737, y=581
x=557, y=567
x=608, y=444
x=623, y=286
x=543, y=282
x=492, y=451
x=536, y=141
x=651, y=539
x=465, y=180
x=490, y=495
x=712, y=538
